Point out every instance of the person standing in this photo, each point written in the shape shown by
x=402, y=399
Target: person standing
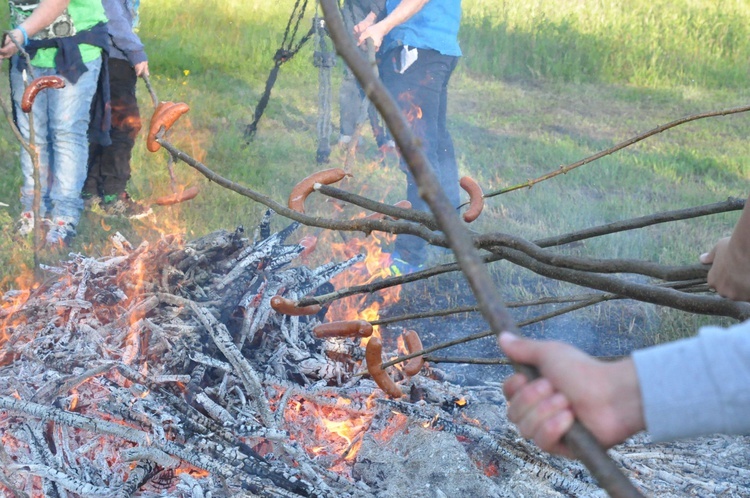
x=67, y=38
x=109, y=165
x=419, y=44
x=350, y=92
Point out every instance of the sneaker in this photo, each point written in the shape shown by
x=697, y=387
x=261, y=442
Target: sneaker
x=25, y=223
x=122, y=205
x=60, y=233
x=90, y=201
x=398, y=266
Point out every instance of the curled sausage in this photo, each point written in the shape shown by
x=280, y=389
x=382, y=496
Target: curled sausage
x=176, y=198
x=165, y=115
x=353, y=328
x=413, y=344
x=36, y=86
x=380, y=216
x=151, y=145
x=309, y=243
x=476, y=198
x=372, y=355
x=307, y=185
x=288, y=307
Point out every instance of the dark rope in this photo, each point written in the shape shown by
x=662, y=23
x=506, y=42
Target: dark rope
x=282, y=55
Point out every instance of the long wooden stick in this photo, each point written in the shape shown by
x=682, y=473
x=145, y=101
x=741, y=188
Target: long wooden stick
x=626, y=143
x=581, y=442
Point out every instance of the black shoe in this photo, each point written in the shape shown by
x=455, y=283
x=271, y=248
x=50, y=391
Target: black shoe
x=122, y=205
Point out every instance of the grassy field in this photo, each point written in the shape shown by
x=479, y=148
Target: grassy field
x=541, y=84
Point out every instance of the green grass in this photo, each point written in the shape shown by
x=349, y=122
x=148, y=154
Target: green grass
x=542, y=84
x=659, y=43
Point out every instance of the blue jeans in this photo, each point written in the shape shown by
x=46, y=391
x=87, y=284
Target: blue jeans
x=61, y=122
x=422, y=93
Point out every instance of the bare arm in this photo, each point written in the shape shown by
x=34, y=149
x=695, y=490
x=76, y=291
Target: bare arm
x=402, y=13
x=730, y=260
x=42, y=17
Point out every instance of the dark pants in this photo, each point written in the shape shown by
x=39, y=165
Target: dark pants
x=351, y=93
x=422, y=93
x=109, y=167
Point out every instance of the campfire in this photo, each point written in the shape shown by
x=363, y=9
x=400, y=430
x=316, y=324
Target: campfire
x=163, y=369
x=232, y=366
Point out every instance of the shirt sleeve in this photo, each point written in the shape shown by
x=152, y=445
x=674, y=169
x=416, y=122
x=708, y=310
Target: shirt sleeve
x=121, y=32
x=697, y=386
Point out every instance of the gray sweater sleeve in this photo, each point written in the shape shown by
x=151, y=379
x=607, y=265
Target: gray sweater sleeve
x=697, y=386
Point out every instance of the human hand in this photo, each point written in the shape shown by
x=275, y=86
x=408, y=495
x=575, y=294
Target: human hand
x=9, y=48
x=730, y=270
x=605, y=397
x=141, y=69
x=376, y=32
x=365, y=23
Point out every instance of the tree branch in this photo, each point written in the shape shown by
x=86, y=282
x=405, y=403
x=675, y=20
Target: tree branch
x=581, y=442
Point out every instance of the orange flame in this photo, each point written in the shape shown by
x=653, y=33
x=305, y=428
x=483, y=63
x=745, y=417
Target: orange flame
x=413, y=112
x=330, y=432
x=73, y=400
x=375, y=266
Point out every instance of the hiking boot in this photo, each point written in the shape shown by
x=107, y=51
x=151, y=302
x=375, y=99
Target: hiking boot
x=25, y=223
x=60, y=233
x=122, y=205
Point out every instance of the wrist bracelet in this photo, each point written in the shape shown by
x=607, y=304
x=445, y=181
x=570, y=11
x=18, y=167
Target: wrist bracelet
x=24, y=33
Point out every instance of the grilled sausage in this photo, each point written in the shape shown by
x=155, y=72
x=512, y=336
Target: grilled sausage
x=185, y=195
x=165, y=115
x=413, y=344
x=306, y=186
x=36, y=86
x=476, y=198
x=288, y=307
x=353, y=328
x=309, y=242
x=374, y=361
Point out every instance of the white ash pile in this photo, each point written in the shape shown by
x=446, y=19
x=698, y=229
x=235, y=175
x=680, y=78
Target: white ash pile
x=163, y=370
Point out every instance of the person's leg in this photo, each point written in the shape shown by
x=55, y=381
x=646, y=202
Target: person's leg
x=92, y=184
x=40, y=113
x=349, y=97
x=68, y=126
x=447, y=167
x=349, y=103
x=419, y=93
x=115, y=161
x=126, y=123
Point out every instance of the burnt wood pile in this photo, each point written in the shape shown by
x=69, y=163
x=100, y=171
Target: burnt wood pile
x=163, y=370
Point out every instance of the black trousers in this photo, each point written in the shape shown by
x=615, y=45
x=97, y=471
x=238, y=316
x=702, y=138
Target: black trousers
x=422, y=93
x=109, y=167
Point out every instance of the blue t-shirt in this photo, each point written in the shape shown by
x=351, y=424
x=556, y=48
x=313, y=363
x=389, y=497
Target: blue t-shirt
x=434, y=27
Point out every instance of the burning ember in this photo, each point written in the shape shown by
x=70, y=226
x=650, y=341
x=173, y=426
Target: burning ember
x=164, y=370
